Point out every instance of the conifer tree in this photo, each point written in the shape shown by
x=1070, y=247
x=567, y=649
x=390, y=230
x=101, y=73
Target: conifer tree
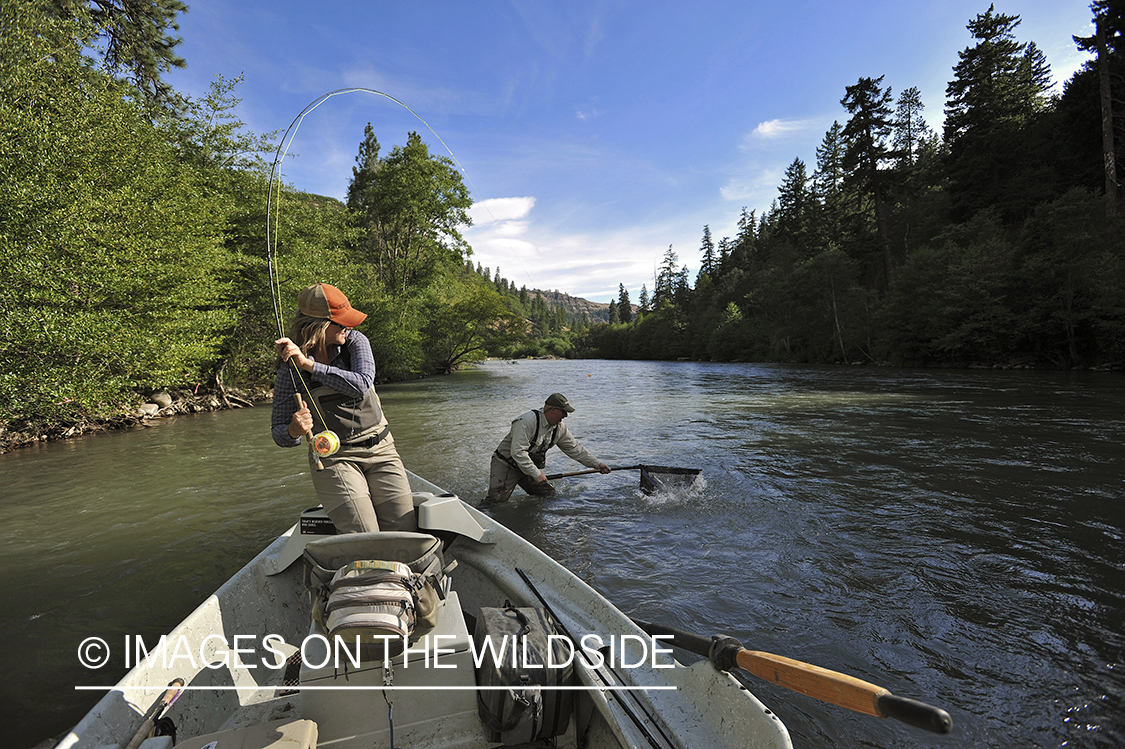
x=666, y=279
x=709, y=262
x=624, y=307
x=910, y=129
x=866, y=132
x=138, y=43
x=998, y=88
x=794, y=201
x=828, y=179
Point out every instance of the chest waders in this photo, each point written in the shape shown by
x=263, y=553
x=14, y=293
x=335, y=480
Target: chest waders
x=357, y=421
x=538, y=456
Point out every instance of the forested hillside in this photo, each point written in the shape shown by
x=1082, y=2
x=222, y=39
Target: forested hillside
x=996, y=242
x=133, y=248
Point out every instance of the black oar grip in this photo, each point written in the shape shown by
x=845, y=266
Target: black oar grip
x=915, y=713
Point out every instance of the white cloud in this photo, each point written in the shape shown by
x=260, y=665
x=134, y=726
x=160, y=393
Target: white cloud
x=588, y=265
x=759, y=187
x=499, y=210
x=774, y=129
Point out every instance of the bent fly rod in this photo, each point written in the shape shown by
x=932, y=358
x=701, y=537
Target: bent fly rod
x=327, y=442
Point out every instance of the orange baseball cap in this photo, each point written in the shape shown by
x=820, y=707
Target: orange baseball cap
x=324, y=300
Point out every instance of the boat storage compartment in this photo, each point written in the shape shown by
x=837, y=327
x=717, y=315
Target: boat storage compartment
x=354, y=712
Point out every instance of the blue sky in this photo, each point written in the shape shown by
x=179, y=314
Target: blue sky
x=592, y=135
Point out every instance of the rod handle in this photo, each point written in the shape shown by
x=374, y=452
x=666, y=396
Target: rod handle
x=309, y=434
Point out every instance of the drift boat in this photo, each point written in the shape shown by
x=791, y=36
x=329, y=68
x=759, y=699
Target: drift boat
x=253, y=666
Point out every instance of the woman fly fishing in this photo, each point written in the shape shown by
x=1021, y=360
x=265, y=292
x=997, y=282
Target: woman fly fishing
x=326, y=365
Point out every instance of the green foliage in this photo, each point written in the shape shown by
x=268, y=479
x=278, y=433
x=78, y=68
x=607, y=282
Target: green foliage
x=408, y=207
x=135, y=42
x=112, y=261
x=998, y=90
x=464, y=320
x=950, y=305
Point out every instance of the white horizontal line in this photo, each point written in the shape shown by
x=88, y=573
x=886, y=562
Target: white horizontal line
x=360, y=687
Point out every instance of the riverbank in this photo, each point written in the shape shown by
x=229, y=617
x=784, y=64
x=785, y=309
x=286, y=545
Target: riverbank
x=158, y=405
x=166, y=403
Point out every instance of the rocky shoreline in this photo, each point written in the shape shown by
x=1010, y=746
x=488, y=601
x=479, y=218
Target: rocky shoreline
x=157, y=405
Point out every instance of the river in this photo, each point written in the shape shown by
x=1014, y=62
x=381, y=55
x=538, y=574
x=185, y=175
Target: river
x=954, y=536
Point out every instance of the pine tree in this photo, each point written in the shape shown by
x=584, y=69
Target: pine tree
x=742, y=253
x=866, y=133
x=828, y=179
x=666, y=279
x=910, y=129
x=709, y=263
x=794, y=202
x=642, y=300
x=138, y=44
x=999, y=86
x=624, y=307
x=724, y=255
x=363, y=173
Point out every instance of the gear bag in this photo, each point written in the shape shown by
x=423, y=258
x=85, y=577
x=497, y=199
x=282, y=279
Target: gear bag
x=354, y=594
x=527, y=658
x=374, y=601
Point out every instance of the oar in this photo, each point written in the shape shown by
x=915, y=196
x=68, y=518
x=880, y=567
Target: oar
x=820, y=683
x=155, y=712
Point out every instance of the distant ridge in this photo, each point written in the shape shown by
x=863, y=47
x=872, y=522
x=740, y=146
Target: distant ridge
x=576, y=305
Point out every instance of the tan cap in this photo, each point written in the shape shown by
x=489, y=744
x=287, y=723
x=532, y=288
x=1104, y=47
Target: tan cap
x=558, y=400
x=323, y=300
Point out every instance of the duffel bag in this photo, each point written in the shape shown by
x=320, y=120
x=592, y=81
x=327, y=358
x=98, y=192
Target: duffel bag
x=522, y=712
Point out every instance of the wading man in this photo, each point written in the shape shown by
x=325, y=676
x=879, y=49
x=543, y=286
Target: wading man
x=522, y=454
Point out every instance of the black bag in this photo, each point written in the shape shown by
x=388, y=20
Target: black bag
x=523, y=712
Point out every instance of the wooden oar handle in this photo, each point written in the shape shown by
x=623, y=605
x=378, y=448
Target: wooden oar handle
x=830, y=686
x=843, y=690
x=814, y=681
x=154, y=713
x=309, y=434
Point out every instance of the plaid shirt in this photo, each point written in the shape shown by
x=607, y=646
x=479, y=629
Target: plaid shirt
x=355, y=380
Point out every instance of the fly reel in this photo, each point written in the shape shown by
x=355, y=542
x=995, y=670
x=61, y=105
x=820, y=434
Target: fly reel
x=326, y=443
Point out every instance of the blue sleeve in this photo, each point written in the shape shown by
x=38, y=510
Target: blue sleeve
x=284, y=406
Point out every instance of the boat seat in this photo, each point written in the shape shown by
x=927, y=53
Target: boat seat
x=420, y=551
x=290, y=733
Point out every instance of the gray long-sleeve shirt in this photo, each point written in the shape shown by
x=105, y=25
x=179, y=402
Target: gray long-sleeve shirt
x=519, y=442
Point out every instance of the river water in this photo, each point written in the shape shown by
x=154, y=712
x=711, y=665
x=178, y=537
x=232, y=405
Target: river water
x=957, y=537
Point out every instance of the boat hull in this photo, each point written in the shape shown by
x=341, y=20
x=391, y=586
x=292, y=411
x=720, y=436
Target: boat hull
x=635, y=696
